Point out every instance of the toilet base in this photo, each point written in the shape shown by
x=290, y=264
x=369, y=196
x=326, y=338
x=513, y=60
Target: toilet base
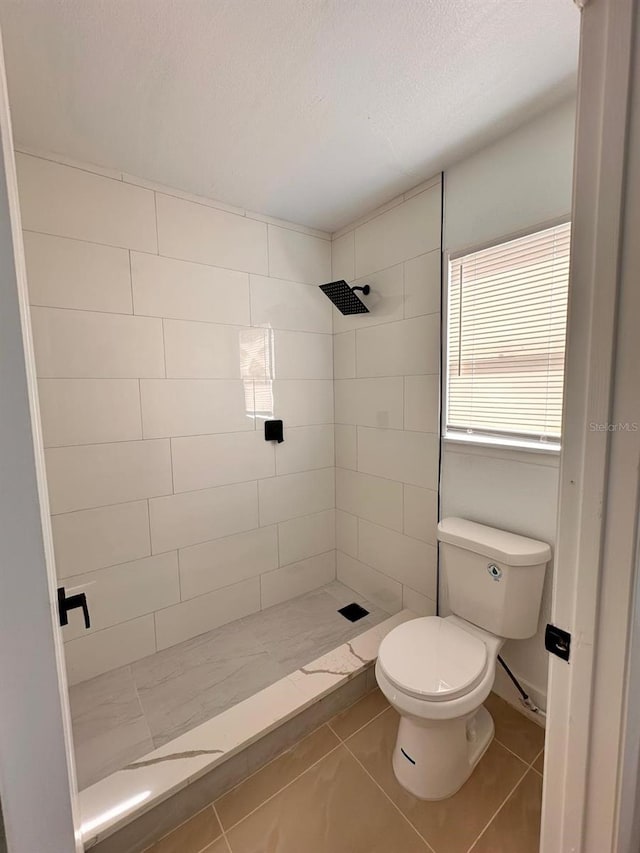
x=432, y=759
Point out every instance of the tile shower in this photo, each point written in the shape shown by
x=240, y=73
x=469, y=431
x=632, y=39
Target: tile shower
x=167, y=328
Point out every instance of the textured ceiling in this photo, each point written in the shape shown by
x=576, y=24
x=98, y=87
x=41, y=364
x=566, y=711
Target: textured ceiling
x=310, y=110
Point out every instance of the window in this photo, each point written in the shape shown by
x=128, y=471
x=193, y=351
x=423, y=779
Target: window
x=506, y=341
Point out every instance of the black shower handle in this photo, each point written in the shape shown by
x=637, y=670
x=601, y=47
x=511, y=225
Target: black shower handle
x=72, y=602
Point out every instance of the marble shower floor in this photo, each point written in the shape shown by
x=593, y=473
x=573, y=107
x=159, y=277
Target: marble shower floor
x=125, y=713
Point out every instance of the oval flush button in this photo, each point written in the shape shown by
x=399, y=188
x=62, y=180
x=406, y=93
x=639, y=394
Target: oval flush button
x=494, y=571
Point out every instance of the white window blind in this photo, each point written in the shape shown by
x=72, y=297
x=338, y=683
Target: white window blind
x=506, y=339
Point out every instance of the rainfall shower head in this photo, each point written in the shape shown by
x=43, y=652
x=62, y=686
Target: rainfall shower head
x=344, y=298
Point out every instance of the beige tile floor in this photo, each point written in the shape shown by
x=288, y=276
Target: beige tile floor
x=335, y=792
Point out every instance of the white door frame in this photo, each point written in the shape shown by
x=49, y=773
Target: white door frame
x=598, y=509
x=37, y=773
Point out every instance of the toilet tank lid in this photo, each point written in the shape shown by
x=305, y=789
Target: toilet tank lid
x=500, y=545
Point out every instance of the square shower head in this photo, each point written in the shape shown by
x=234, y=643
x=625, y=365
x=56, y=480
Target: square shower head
x=344, y=298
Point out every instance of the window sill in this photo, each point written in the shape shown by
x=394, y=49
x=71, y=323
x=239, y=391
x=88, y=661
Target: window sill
x=521, y=450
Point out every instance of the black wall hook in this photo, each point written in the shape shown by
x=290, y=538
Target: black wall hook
x=273, y=431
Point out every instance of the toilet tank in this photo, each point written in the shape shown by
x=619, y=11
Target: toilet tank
x=493, y=578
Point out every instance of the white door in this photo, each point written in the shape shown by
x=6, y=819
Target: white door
x=37, y=776
x=587, y=733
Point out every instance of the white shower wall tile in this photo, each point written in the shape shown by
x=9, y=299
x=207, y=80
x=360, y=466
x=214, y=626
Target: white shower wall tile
x=92, y=654
x=403, y=348
x=421, y=513
x=347, y=533
x=181, y=290
x=343, y=258
x=344, y=355
x=194, y=232
x=387, y=417
x=399, y=455
x=229, y=328
x=305, y=448
x=198, y=615
x=421, y=403
x=308, y=536
x=211, y=565
x=156, y=372
x=176, y=407
x=89, y=411
x=410, y=561
x=302, y=402
x=193, y=517
x=302, y=355
x=410, y=229
x=291, y=581
x=123, y=592
x=418, y=603
x=93, y=475
x=69, y=202
x=95, y=538
x=295, y=495
x=64, y=273
x=422, y=284
x=379, y=588
x=76, y=344
x=277, y=304
x=205, y=461
x=298, y=257
x=376, y=499
x=370, y=402
x=211, y=350
x=346, y=446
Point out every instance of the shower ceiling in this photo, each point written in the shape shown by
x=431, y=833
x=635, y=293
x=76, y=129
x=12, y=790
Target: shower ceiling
x=310, y=110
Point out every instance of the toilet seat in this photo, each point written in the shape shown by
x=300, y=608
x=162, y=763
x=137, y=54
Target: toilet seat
x=433, y=659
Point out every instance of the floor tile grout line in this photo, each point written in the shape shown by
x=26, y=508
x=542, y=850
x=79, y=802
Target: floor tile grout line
x=539, y=772
x=224, y=834
x=364, y=725
x=343, y=742
x=500, y=807
x=515, y=754
x=288, y=785
x=184, y=823
x=529, y=766
x=272, y=761
x=396, y=807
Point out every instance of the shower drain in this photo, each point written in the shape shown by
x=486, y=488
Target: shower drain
x=353, y=612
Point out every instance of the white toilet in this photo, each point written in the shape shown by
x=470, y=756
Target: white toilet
x=437, y=672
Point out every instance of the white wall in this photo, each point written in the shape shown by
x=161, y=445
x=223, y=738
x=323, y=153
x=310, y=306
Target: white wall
x=518, y=182
x=521, y=181
x=386, y=368
x=165, y=329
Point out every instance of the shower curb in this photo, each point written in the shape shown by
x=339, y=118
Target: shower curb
x=135, y=806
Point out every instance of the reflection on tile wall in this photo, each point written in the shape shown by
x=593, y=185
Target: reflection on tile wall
x=386, y=368
x=166, y=329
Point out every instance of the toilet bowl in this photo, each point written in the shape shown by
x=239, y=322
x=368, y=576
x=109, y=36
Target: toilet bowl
x=436, y=672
